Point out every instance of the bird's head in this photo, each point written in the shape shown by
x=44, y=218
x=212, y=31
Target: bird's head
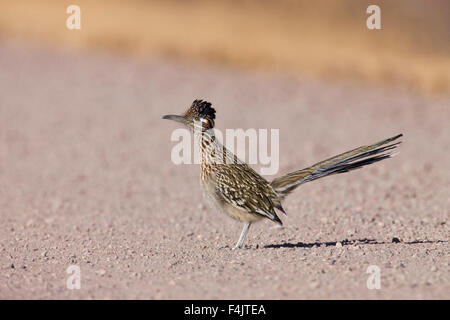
x=200, y=115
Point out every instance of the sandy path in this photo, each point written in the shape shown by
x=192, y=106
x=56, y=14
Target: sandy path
x=86, y=179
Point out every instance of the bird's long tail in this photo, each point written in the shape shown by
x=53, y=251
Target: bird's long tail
x=344, y=162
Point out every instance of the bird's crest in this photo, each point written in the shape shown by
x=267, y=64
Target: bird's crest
x=201, y=110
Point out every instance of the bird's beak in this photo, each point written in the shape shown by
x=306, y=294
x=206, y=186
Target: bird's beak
x=175, y=118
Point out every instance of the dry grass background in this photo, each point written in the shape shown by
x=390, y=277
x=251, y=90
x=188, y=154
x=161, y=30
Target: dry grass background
x=326, y=39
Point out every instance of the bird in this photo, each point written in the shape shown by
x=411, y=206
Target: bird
x=231, y=186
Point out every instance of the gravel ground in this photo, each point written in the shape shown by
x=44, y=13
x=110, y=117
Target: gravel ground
x=86, y=179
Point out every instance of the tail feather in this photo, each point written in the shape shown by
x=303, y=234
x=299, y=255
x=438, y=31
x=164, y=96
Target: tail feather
x=344, y=162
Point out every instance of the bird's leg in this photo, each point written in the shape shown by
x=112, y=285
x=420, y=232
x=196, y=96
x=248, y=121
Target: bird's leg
x=242, y=237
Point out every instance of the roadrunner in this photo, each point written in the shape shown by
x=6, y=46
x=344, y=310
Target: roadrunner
x=231, y=186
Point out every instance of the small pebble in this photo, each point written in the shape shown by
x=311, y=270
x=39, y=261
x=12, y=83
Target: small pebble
x=395, y=240
x=100, y=272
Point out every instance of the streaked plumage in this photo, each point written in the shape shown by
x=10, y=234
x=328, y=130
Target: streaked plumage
x=231, y=186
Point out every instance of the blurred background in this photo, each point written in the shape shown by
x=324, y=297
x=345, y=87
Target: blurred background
x=325, y=39
x=86, y=176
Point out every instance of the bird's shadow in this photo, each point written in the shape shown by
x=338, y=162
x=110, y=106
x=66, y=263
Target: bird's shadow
x=347, y=242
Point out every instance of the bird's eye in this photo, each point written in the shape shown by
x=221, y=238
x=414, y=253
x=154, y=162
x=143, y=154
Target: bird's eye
x=208, y=123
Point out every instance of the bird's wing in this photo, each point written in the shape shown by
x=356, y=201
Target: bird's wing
x=242, y=187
